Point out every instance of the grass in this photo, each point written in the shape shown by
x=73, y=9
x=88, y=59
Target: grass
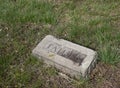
x=23, y=23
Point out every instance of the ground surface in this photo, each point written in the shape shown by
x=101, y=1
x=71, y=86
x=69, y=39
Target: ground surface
x=91, y=23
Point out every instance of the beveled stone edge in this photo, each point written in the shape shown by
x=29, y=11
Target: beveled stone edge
x=74, y=73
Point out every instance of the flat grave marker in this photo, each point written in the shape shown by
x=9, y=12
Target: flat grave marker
x=66, y=56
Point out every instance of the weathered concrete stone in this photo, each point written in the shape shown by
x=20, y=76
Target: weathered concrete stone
x=66, y=56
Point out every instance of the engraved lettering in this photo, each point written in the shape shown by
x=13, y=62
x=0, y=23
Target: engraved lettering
x=66, y=52
x=51, y=47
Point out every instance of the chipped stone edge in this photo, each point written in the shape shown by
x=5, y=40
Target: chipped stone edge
x=91, y=66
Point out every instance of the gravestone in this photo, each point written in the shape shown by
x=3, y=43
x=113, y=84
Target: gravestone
x=70, y=58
